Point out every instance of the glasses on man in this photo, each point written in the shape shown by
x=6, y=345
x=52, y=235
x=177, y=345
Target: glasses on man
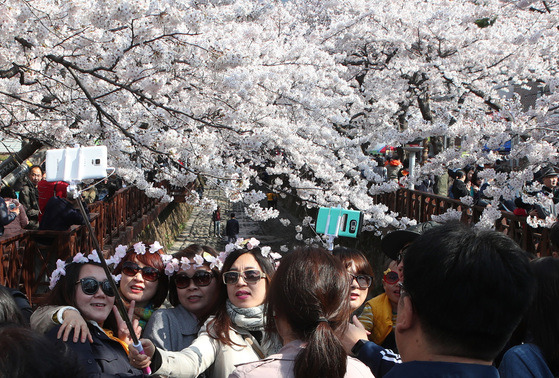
x=90, y=286
x=149, y=273
x=391, y=277
x=364, y=281
x=200, y=278
x=402, y=253
x=249, y=276
x=403, y=290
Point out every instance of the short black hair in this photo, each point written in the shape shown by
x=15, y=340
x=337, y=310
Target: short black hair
x=469, y=288
x=459, y=174
x=27, y=353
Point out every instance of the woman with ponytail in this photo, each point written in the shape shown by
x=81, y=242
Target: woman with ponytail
x=307, y=305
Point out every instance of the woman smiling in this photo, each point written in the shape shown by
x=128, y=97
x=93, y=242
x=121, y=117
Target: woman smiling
x=234, y=336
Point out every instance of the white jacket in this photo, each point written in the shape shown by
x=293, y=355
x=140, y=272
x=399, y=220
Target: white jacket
x=205, y=351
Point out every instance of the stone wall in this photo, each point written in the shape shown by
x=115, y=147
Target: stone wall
x=168, y=226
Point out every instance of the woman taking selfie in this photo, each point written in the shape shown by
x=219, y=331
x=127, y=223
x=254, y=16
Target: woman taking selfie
x=235, y=335
x=142, y=280
x=82, y=284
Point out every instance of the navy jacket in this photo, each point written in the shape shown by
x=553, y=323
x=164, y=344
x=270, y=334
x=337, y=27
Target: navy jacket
x=433, y=369
x=103, y=357
x=232, y=228
x=59, y=215
x=378, y=359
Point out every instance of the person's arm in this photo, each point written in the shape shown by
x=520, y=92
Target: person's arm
x=189, y=362
x=23, y=220
x=378, y=359
x=25, y=198
x=70, y=320
x=6, y=216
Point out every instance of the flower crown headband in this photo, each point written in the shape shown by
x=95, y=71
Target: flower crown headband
x=114, y=260
x=251, y=243
x=173, y=265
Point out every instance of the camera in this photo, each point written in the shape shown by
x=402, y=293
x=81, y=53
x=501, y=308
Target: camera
x=76, y=164
x=12, y=206
x=339, y=222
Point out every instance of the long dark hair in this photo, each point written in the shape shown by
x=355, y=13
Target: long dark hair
x=310, y=291
x=150, y=259
x=222, y=322
x=189, y=252
x=541, y=319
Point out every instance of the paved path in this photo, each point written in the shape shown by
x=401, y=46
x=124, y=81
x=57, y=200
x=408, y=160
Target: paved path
x=199, y=227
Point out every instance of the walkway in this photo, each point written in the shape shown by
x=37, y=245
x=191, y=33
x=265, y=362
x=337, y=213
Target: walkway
x=199, y=227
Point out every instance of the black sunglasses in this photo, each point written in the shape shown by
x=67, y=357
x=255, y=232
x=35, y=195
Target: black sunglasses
x=364, y=281
x=148, y=273
x=200, y=278
x=249, y=276
x=90, y=286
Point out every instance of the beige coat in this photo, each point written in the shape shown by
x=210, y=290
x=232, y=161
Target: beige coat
x=205, y=351
x=282, y=363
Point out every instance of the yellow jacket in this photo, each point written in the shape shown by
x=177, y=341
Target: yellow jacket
x=377, y=318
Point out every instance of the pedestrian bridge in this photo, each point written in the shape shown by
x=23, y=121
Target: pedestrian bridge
x=26, y=260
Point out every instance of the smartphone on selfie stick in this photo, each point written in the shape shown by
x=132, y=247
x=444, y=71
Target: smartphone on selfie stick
x=72, y=165
x=335, y=221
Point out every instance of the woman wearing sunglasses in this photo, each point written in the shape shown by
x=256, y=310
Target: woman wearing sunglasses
x=193, y=291
x=84, y=286
x=235, y=335
x=379, y=314
x=361, y=273
x=142, y=280
x=308, y=305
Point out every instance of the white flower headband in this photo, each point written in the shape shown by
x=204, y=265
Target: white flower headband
x=114, y=260
x=249, y=244
x=173, y=265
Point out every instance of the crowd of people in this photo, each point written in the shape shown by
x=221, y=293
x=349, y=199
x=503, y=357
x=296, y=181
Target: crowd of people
x=468, y=182
x=43, y=205
x=455, y=302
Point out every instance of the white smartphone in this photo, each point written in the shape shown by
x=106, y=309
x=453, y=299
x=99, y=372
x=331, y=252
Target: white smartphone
x=76, y=164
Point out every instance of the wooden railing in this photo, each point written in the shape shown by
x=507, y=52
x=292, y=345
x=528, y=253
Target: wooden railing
x=421, y=206
x=28, y=259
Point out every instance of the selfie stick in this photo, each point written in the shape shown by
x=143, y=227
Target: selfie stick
x=331, y=237
x=118, y=300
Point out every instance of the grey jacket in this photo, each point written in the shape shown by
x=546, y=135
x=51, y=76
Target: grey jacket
x=172, y=328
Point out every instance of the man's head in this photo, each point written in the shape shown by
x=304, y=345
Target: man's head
x=396, y=243
x=232, y=215
x=35, y=174
x=547, y=176
x=460, y=175
x=465, y=290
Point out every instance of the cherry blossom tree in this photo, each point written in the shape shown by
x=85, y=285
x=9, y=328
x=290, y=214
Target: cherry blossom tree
x=225, y=91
